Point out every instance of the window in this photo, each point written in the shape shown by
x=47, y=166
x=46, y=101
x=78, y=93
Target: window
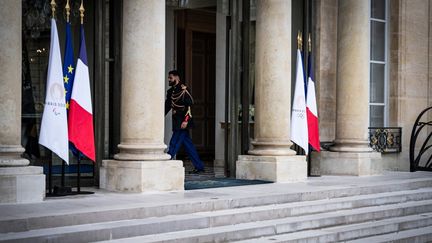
x=378, y=63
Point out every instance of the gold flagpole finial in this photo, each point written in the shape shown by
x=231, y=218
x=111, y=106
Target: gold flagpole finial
x=81, y=9
x=67, y=7
x=309, y=43
x=299, y=40
x=53, y=7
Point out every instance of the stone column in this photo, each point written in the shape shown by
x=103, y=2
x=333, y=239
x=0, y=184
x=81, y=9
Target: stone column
x=352, y=88
x=18, y=182
x=271, y=157
x=354, y=156
x=142, y=164
x=221, y=13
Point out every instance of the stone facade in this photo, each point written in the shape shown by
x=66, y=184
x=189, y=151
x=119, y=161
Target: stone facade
x=409, y=75
x=341, y=44
x=410, y=80
x=19, y=183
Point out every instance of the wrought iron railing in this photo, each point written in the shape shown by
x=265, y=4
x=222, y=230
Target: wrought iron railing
x=385, y=139
x=421, y=159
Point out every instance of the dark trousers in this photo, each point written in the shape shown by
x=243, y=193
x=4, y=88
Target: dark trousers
x=180, y=137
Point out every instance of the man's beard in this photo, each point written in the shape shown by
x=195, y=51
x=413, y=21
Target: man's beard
x=171, y=83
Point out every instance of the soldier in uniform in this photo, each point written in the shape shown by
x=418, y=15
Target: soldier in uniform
x=179, y=100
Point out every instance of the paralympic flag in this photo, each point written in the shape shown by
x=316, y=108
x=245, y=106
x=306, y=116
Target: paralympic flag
x=54, y=127
x=299, y=126
x=80, y=112
x=311, y=110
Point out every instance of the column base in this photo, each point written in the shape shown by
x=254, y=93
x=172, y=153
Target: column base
x=272, y=148
x=344, y=145
x=142, y=176
x=140, y=152
x=10, y=155
x=24, y=184
x=348, y=163
x=272, y=168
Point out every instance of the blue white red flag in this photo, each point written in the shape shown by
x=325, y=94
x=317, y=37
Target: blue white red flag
x=81, y=132
x=311, y=109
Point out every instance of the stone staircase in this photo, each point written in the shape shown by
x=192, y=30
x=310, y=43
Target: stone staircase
x=392, y=211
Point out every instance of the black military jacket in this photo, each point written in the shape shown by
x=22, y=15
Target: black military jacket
x=179, y=99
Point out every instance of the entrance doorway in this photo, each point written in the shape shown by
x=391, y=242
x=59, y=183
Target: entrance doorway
x=196, y=59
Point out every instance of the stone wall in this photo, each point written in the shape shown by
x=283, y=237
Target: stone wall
x=409, y=74
x=410, y=69
x=430, y=63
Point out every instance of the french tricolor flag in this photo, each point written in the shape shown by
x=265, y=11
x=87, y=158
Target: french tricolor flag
x=80, y=113
x=311, y=111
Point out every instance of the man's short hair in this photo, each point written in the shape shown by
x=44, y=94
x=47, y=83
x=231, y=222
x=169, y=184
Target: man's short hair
x=174, y=72
x=177, y=73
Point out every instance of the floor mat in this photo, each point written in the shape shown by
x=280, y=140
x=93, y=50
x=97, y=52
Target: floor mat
x=220, y=182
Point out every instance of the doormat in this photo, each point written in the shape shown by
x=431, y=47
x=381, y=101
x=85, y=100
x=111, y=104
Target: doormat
x=220, y=182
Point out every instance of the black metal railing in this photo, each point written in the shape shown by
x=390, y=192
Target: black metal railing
x=421, y=159
x=386, y=139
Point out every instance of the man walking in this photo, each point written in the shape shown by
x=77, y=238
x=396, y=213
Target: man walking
x=179, y=100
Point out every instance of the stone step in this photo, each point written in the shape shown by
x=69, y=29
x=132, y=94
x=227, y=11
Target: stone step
x=423, y=234
x=276, y=211
x=282, y=210
x=351, y=232
x=280, y=226
x=204, y=227
x=64, y=216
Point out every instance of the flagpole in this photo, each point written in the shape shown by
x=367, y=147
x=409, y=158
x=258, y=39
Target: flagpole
x=299, y=44
x=299, y=41
x=53, y=7
x=79, y=124
x=81, y=9
x=298, y=148
x=53, y=130
x=67, y=7
x=50, y=173
x=309, y=162
x=311, y=104
x=79, y=174
x=63, y=174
